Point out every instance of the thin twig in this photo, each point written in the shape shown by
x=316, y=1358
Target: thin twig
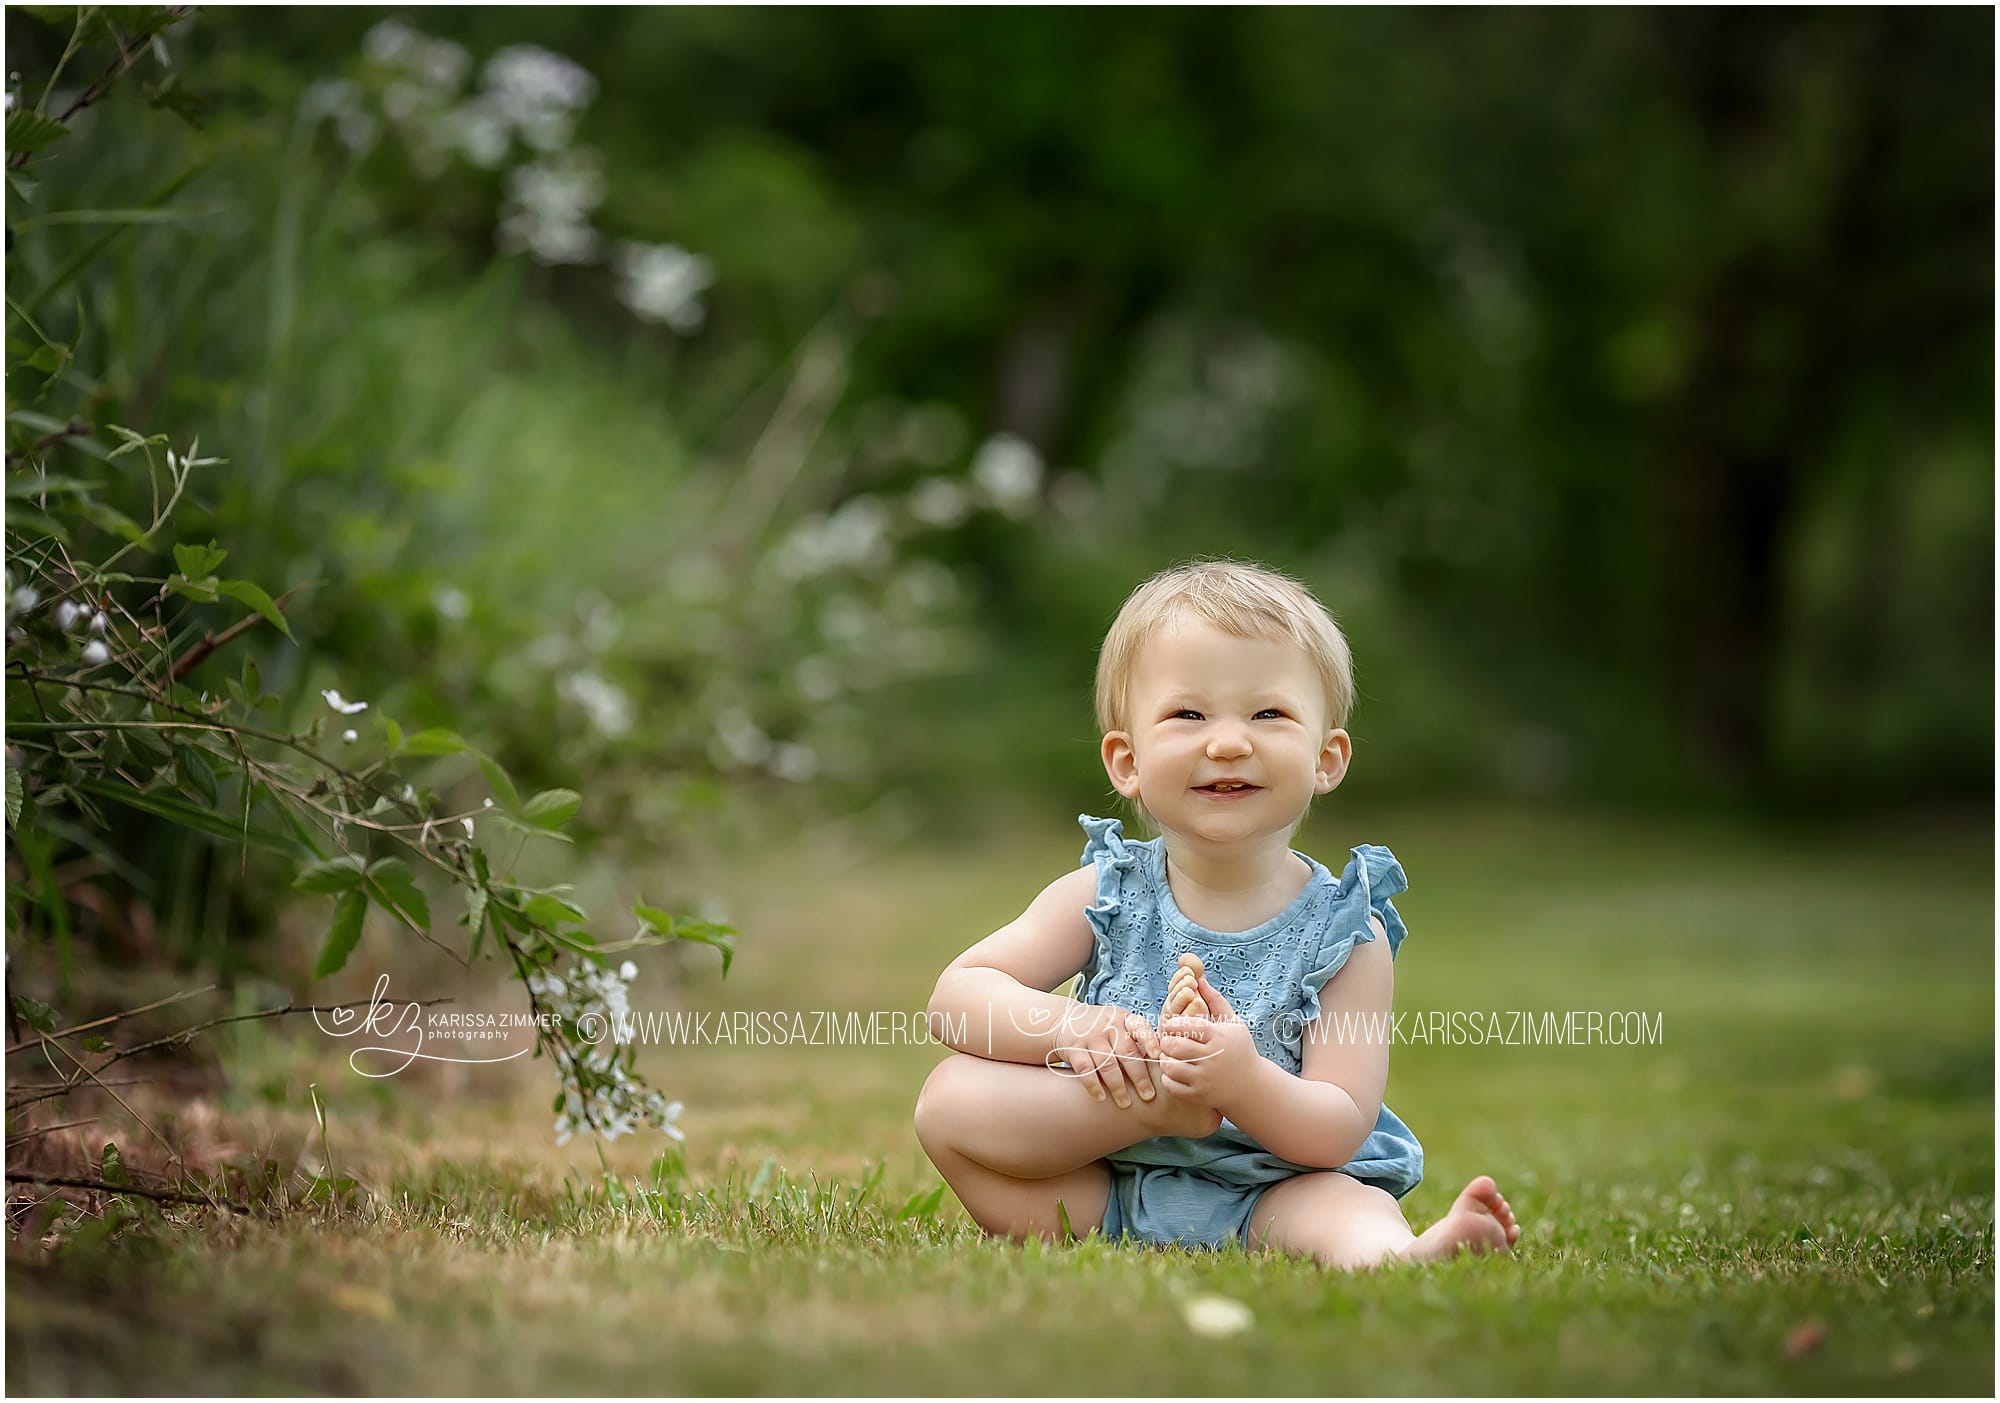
x=196, y=655
x=61, y=1181
x=73, y=429
x=76, y=1082
x=28, y=1135
x=112, y=72
x=114, y=1018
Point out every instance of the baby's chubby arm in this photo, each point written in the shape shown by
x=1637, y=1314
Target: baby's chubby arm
x=1321, y=1116
x=995, y=1001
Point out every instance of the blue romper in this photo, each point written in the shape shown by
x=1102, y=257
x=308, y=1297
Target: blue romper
x=1202, y=1192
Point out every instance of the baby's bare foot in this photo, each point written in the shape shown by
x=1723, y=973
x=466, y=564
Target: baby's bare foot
x=1171, y=1115
x=1479, y=1221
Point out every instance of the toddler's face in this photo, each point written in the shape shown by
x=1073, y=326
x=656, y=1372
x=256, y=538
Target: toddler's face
x=1205, y=706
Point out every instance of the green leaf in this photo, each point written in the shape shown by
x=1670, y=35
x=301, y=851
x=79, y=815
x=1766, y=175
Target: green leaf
x=29, y=131
x=552, y=808
x=343, y=935
x=195, y=772
x=391, y=884
x=497, y=780
x=475, y=916
x=28, y=489
x=109, y=518
x=198, y=561
x=95, y=1044
x=111, y=1165
x=149, y=746
x=193, y=816
x=32, y=526
x=247, y=593
x=204, y=590
x=545, y=910
x=436, y=741
x=113, y=216
x=335, y=874
x=16, y=796
x=394, y=735
x=660, y=922
x=82, y=258
x=172, y=96
x=502, y=819
x=34, y=1013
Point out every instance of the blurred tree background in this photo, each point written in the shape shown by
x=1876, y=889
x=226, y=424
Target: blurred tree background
x=708, y=405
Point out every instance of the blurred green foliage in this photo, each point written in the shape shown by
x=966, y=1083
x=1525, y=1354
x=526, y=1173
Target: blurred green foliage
x=1621, y=379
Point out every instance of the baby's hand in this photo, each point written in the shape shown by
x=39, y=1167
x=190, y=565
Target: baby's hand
x=1207, y=1060
x=1111, y=1054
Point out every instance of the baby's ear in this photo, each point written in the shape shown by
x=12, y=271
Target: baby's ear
x=1334, y=753
x=1121, y=765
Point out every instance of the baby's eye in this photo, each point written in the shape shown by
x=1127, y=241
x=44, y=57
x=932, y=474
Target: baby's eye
x=1185, y=712
x=1270, y=711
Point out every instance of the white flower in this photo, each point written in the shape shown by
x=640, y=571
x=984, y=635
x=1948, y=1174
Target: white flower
x=940, y=502
x=609, y=709
x=797, y=763
x=444, y=63
x=391, y=41
x=487, y=803
x=451, y=602
x=817, y=679
x=345, y=708
x=94, y=652
x=468, y=826
x=409, y=794
x=667, y=1119
x=26, y=598
x=99, y=621
x=662, y=283
x=740, y=740
x=481, y=133
x=538, y=93
x=350, y=736
x=1217, y=1316
x=66, y=613
x=628, y=971
x=330, y=97
x=1009, y=472
x=548, y=209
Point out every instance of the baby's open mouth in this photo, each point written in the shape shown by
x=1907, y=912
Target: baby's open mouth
x=1224, y=788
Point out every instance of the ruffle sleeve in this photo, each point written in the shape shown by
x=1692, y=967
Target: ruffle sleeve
x=1117, y=865
x=1372, y=877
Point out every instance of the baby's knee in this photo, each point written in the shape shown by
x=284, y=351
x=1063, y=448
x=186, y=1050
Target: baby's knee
x=939, y=1103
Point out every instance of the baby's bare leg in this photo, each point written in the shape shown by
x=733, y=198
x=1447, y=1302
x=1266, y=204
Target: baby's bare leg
x=1346, y=1223
x=1014, y=1141
x=1032, y=1123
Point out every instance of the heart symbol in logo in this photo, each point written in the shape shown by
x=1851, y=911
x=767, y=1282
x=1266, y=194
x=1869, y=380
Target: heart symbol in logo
x=343, y=1016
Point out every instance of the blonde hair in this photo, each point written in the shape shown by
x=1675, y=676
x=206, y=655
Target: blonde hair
x=1241, y=598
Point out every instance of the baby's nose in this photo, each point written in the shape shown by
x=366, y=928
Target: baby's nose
x=1228, y=740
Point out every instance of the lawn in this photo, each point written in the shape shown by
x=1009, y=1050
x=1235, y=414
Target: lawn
x=1792, y=1192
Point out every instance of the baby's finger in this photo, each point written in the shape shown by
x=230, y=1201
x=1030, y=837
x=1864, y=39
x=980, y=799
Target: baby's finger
x=1122, y=1054
x=1083, y=1068
x=1133, y=1059
x=1148, y=1040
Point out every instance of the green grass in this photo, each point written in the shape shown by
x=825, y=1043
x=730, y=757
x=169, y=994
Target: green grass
x=1811, y=1150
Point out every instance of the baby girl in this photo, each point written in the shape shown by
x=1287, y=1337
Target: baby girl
x=1251, y=1110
